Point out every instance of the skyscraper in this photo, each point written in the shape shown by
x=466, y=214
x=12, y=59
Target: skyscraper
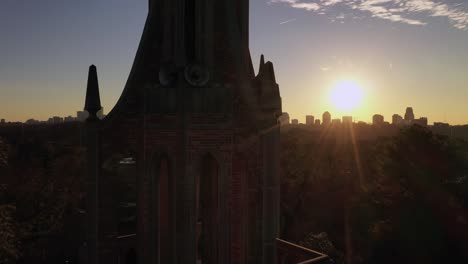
x=409, y=115
x=378, y=120
x=397, y=119
x=347, y=119
x=284, y=119
x=310, y=120
x=421, y=121
x=336, y=121
x=326, y=118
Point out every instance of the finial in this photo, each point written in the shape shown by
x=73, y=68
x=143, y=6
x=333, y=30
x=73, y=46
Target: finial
x=262, y=65
x=93, y=100
x=270, y=71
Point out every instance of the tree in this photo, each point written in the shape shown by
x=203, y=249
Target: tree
x=3, y=154
x=418, y=190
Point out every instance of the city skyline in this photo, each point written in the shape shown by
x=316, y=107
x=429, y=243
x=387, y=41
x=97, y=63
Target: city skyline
x=311, y=118
x=405, y=54
x=395, y=118
x=81, y=116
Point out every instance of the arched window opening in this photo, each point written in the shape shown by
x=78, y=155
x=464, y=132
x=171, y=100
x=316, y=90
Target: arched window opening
x=163, y=219
x=207, y=210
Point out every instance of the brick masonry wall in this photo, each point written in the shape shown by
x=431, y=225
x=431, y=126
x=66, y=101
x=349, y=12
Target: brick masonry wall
x=240, y=186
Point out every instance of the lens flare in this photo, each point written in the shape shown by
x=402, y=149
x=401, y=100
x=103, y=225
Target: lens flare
x=346, y=95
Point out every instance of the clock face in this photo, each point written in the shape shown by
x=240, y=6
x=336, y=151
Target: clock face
x=195, y=75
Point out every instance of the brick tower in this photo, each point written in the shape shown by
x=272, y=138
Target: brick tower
x=185, y=168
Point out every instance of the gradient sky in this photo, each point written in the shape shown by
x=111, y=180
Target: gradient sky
x=403, y=53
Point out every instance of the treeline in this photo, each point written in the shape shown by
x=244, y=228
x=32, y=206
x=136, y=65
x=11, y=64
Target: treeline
x=400, y=199
x=41, y=194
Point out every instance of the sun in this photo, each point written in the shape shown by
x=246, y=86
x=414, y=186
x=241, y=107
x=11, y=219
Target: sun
x=346, y=95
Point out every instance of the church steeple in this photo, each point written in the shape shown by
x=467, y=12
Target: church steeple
x=93, y=100
x=196, y=121
x=191, y=43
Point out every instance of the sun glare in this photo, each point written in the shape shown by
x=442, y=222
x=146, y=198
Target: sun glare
x=346, y=95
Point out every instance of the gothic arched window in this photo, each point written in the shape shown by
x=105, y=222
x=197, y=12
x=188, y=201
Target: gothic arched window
x=162, y=203
x=207, y=210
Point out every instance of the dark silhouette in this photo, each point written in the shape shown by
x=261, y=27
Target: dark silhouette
x=326, y=118
x=409, y=115
x=190, y=166
x=202, y=130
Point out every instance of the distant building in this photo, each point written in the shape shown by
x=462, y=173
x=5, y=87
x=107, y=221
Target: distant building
x=284, y=119
x=317, y=122
x=57, y=120
x=378, y=120
x=347, y=119
x=409, y=115
x=336, y=121
x=421, y=121
x=397, y=120
x=81, y=116
x=2, y=121
x=295, y=122
x=326, y=118
x=69, y=119
x=32, y=121
x=441, y=125
x=310, y=120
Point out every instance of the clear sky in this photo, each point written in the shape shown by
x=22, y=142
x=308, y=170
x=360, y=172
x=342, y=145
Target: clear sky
x=402, y=53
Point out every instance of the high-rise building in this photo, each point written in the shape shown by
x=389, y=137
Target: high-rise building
x=2, y=121
x=294, y=122
x=397, y=119
x=317, y=122
x=378, y=120
x=284, y=119
x=421, y=121
x=409, y=115
x=336, y=121
x=326, y=118
x=310, y=120
x=347, y=119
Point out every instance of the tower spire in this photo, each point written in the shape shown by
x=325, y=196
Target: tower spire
x=262, y=65
x=93, y=100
